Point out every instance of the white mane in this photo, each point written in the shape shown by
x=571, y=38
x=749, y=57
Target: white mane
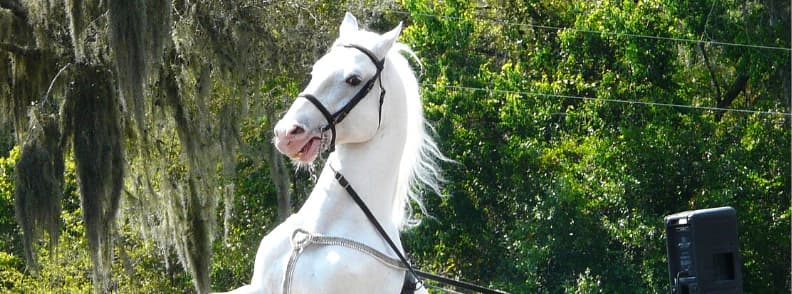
x=418, y=169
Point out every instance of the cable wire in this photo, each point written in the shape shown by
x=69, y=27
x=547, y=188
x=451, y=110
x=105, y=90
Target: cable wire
x=547, y=27
x=708, y=108
x=587, y=31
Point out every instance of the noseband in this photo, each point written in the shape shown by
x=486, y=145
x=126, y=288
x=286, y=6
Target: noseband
x=338, y=116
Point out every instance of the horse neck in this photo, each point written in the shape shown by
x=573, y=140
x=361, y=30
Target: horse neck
x=371, y=167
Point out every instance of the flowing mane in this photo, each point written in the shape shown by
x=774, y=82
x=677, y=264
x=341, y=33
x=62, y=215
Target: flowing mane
x=418, y=170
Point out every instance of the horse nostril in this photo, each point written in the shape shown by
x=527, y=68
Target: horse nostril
x=296, y=131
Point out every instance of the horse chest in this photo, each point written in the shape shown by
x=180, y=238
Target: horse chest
x=334, y=269
x=323, y=265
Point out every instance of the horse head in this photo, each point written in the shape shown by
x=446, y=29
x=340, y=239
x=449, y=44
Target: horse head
x=342, y=103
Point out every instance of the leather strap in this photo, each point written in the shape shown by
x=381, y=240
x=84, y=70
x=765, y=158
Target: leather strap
x=414, y=278
x=329, y=117
x=345, y=184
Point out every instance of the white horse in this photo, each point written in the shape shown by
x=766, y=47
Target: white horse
x=381, y=147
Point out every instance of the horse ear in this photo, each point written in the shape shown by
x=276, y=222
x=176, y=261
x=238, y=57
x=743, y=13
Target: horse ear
x=387, y=40
x=349, y=25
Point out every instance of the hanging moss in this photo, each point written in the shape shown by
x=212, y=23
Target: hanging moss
x=26, y=67
x=40, y=17
x=158, y=28
x=76, y=14
x=30, y=73
x=87, y=23
x=127, y=25
x=192, y=213
x=193, y=216
x=39, y=181
x=39, y=172
x=5, y=88
x=92, y=119
x=6, y=25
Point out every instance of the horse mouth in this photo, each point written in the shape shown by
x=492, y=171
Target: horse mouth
x=308, y=152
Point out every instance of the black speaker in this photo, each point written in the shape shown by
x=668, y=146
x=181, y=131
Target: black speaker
x=703, y=251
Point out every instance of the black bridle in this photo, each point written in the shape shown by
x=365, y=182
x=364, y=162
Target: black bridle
x=338, y=116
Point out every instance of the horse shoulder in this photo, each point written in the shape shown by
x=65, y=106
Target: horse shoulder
x=272, y=255
x=336, y=269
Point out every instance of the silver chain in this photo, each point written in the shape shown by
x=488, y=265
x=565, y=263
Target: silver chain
x=302, y=239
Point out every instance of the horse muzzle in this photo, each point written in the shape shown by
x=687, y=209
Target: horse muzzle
x=295, y=141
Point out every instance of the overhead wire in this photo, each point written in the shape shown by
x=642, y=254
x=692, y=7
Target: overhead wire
x=589, y=31
x=645, y=103
x=557, y=28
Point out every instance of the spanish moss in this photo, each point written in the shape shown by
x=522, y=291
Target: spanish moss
x=31, y=72
x=93, y=120
x=192, y=210
x=158, y=28
x=75, y=13
x=193, y=215
x=127, y=27
x=39, y=181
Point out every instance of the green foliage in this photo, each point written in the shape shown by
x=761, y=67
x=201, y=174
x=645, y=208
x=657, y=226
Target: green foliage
x=554, y=184
x=10, y=236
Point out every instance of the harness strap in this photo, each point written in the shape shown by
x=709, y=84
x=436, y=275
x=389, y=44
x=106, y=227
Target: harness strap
x=456, y=283
x=345, y=184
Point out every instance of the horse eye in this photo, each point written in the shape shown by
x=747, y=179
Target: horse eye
x=353, y=80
